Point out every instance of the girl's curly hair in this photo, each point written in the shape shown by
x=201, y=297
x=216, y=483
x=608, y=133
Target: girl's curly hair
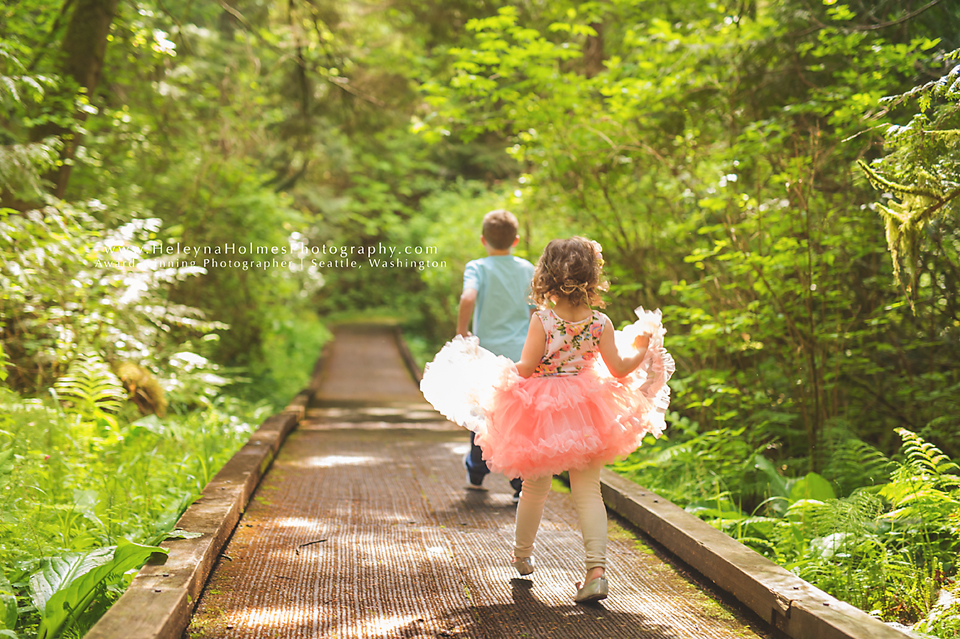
x=570, y=268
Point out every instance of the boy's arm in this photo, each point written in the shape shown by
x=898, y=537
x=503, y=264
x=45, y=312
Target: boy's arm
x=468, y=299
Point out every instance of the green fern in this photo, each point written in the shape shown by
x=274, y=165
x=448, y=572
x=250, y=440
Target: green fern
x=852, y=463
x=928, y=460
x=855, y=515
x=925, y=489
x=91, y=386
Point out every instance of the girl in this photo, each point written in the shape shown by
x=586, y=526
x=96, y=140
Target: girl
x=560, y=407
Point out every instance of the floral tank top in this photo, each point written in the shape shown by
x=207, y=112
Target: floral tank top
x=571, y=346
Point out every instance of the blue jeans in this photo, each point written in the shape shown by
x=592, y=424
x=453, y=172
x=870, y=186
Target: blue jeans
x=477, y=468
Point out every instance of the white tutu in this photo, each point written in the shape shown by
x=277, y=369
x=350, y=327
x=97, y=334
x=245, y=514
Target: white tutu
x=651, y=377
x=461, y=379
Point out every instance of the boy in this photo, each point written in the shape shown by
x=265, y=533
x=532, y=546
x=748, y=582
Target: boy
x=495, y=295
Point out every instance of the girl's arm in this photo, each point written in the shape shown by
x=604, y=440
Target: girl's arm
x=533, y=348
x=616, y=364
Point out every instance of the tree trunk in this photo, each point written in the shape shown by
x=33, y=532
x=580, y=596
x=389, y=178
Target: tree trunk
x=593, y=52
x=81, y=55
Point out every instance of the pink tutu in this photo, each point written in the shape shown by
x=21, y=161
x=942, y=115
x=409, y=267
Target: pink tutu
x=536, y=426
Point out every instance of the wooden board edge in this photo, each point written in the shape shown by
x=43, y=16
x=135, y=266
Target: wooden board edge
x=407, y=356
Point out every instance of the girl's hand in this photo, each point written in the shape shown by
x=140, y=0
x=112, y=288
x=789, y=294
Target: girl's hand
x=641, y=342
x=622, y=363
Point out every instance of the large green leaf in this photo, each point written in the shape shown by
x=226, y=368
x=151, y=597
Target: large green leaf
x=6, y=467
x=813, y=486
x=56, y=572
x=775, y=481
x=80, y=584
x=8, y=605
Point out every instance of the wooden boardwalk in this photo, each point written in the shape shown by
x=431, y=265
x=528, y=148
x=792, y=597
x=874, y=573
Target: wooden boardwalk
x=362, y=528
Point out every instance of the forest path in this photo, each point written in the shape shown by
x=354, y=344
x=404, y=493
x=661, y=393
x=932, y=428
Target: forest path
x=363, y=528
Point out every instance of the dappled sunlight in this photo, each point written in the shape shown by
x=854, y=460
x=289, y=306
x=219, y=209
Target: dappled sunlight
x=410, y=553
x=285, y=616
x=332, y=461
x=271, y=616
x=387, y=624
x=296, y=522
x=458, y=448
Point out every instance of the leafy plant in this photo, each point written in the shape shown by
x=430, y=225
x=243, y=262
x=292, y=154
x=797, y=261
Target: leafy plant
x=8, y=607
x=853, y=463
x=22, y=161
x=925, y=494
x=72, y=493
x=885, y=547
x=93, y=386
x=66, y=587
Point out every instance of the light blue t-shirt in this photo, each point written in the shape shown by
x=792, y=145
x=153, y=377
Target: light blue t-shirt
x=501, y=316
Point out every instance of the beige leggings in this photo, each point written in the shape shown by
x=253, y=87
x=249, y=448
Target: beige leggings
x=585, y=490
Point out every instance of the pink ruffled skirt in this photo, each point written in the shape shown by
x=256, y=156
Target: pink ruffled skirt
x=531, y=427
x=545, y=425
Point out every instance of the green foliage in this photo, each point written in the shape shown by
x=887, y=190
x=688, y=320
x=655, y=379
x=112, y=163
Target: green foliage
x=712, y=156
x=853, y=464
x=92, y=385
x=70, y=286
x=22, y=161
x=926, y=489
x=8, y=601
x=161, y=167
x=712, y=468
x=73, y=487
x=65, y=590
x=886, y=548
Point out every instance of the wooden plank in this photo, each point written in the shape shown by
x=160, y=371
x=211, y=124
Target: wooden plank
x=789, y=603
x=298, y=405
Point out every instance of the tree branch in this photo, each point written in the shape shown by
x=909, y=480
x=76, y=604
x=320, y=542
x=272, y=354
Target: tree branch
x=874, y=27
x=337, y=81
x=45, y=46
x=901, y=20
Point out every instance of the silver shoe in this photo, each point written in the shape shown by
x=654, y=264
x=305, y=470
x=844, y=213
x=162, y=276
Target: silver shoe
x=593, y=591
x=524, y=565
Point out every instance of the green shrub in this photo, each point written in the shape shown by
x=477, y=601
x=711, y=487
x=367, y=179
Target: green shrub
x=77, y=480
